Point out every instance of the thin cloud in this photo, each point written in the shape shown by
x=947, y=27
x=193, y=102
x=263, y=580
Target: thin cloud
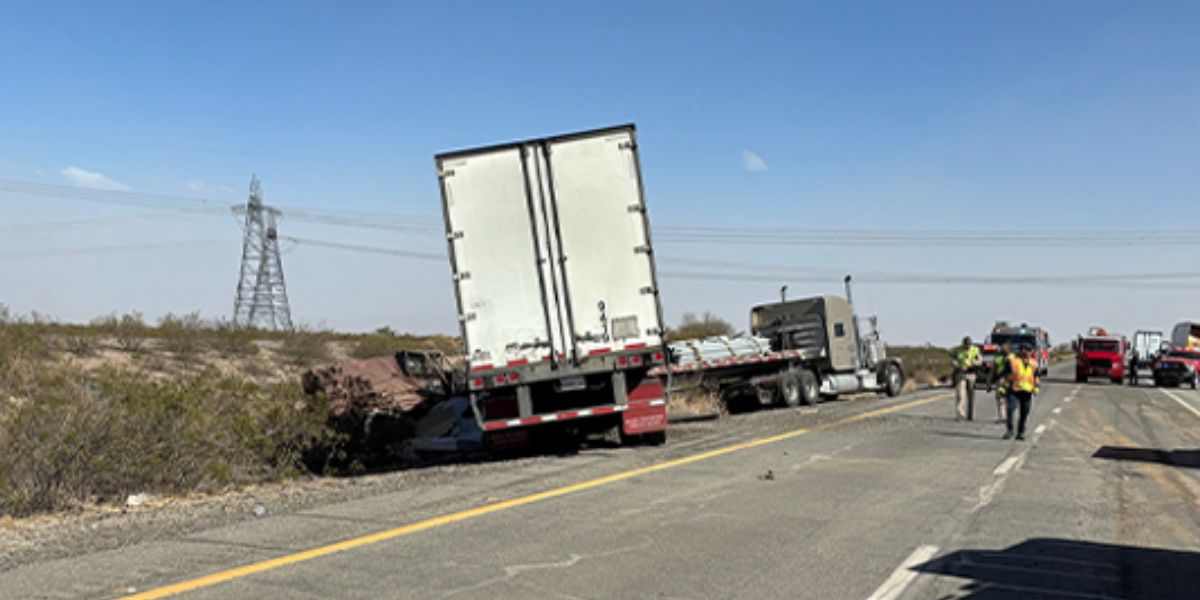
x=753, y=162
x=93, y=180
x=199, y=186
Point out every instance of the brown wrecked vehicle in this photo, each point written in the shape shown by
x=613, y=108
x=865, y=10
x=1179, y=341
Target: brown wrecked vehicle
x=412, y=401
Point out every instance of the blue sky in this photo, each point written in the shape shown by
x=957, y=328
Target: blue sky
x=914, y=115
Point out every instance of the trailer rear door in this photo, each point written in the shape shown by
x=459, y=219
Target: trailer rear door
x=607, y=264
x=550, y=248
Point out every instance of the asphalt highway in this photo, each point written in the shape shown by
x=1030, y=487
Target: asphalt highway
x=864, y=498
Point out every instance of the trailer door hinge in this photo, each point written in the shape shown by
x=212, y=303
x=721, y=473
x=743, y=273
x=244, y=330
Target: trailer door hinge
x=636, y=208
x=467, y=317
x=645, y=249
x=648, y=290
x=627, y=145
x=446, y=173
x=454, y=235
x=463, y=275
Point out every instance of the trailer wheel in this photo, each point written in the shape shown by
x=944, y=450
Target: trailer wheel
x=810, y=391
x=893, y=379
x=656, y=438
x=789, y=389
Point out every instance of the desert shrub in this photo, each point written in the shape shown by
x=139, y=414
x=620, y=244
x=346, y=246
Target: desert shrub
x=128, y=330
x=230, y=340
x=182, y=335
x=23, y=344
x=384, y=342
x=80, y=343
x=305, y=347
x=117, y=434
x=706, y=325
x=930, y=361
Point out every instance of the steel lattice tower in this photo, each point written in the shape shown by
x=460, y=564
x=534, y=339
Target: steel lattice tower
x=261, y=294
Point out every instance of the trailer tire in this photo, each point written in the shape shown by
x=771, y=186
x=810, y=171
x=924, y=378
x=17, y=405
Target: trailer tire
x=810, y=391
x=789, y=389
x=893, y=380
x=656, y=438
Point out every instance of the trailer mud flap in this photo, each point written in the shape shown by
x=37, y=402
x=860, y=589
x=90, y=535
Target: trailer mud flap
x=644, y=419
x=647, y=412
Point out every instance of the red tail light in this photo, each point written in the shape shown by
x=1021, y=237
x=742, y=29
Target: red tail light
x=658, y=357
x=513, y=378
x=635, y=361
x=622, y=362
x=499, y=379
x=477, y=383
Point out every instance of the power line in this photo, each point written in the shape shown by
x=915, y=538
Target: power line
x=209, y=206
x=737, y=236
x=106, y=249
x=367, y=249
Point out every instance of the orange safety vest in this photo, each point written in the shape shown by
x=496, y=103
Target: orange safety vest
x=1023, y=374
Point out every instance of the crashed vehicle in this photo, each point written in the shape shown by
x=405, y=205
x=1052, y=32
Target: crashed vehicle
x=1177, y=367
x=406, y=404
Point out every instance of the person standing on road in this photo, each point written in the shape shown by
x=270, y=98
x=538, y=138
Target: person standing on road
x=1000, y=380
x=1022, y=385
x=1133, y=367
x=966, y=360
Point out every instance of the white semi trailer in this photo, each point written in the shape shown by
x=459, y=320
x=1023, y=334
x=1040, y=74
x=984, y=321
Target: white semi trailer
x=554, y=274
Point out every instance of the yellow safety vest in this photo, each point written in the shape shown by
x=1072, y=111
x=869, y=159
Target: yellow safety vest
x=966, y=357
x=1023, y=372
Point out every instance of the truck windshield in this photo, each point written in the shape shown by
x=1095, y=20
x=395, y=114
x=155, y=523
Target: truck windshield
x=1015, y=340
x=1100, y=346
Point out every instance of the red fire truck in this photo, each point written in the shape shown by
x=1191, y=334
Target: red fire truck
x=1100, y=353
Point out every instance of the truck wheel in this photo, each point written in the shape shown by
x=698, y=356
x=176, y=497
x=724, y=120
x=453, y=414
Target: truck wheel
x=1080, y=378
x=893, y=380
x=789, y=389
x=655, y=438
x=810, y=391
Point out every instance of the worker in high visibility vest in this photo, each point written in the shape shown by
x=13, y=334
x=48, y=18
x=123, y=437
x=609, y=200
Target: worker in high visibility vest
x=966, y=361
x=1000, y=380
x=1022, y=386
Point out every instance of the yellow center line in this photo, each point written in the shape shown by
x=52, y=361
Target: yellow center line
x=479, y=511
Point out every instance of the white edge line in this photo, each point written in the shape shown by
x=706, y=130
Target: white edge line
x=1040, y=429
x=1057, y=410
x=904, y=575
x=1181, y=401
x=1006, y=465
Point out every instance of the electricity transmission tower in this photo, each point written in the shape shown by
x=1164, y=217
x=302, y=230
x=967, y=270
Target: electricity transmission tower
x=261, y=294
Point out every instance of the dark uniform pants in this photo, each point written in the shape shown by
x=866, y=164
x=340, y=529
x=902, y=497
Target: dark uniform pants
x=1023, y=400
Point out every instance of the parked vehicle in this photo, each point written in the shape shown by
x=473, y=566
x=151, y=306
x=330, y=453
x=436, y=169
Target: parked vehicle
x=1148, y=345
x=1186, y=335
x=1178, y=367
x=1023, y=336
x=984, y=376
x=1100, y=353
x=800, y=351
x=555, y=281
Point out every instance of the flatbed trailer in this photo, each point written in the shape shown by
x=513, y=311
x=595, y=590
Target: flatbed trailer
x=798, y=352
x=768, y=375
